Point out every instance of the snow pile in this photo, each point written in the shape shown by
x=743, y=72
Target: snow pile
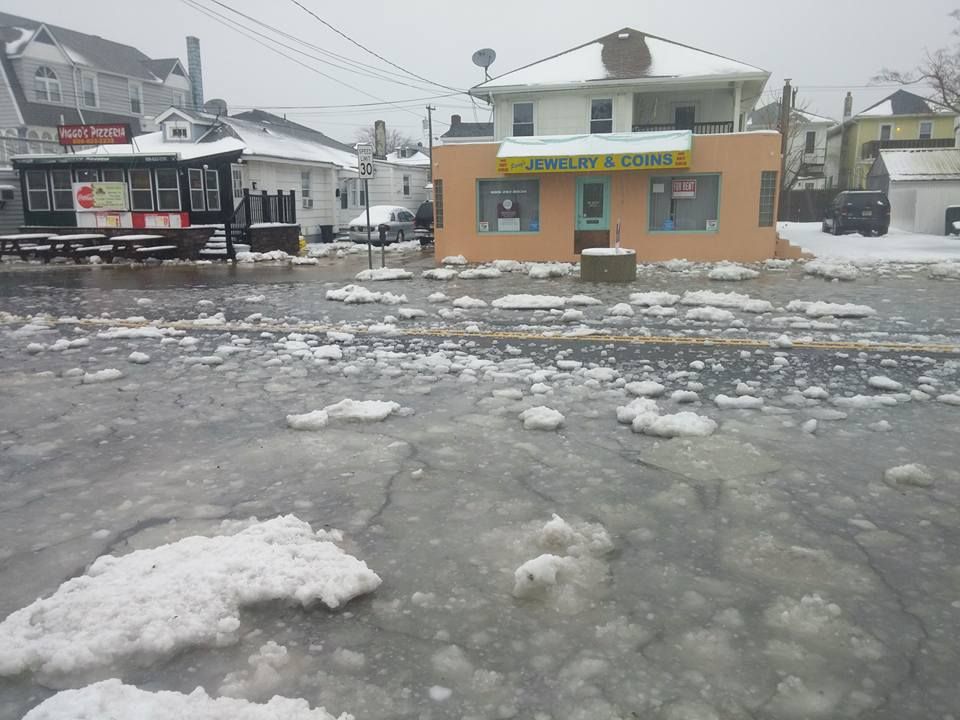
x=541, y=417
x=384, y=273
x=480, y=273
x=468, y=303
x=454, y=260
x=509, y=266
x=529, y=302
x=542, y=271
x=710, y=314
x=912, y=474
x=440, y=274
x=348, y=410
x=826, y=309
x=255, y=257
x=101, y=376
x=570, y=566
x=831, y=269
x=152, y=603
x=643, y=415
x=945, y=271
x=626, y=414
x=113, y=699
x=651, y=299
x=742, y=402
x=731, y=272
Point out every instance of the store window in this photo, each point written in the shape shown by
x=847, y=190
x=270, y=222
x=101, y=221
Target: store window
x=212, y=179
x=87, y=175
x=768, y=196
x=438, y=203
x=195, y=177
x=141, y=190
x=62, y=189
x=601, y=115
x=37, y=198
x=115, y=175
x=508, y=206
x=685, y=203
x=523, y=119
x=168, y=189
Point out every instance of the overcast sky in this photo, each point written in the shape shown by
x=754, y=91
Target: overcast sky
x=826, y=46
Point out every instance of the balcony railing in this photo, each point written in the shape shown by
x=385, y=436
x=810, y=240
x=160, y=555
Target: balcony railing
x=700, y=128
x=871, y=149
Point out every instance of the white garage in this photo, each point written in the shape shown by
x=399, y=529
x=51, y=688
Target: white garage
x=921, y=185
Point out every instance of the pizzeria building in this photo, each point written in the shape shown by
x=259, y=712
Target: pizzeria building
x=629, y=139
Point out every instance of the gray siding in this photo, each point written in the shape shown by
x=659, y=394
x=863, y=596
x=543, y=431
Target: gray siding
x=11, y=216
x=26, y=69
x=8, y=115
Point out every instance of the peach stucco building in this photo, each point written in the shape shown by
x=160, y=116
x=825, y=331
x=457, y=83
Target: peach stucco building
x=629, y=137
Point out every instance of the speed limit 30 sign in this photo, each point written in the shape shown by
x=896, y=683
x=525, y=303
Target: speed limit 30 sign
x=365, y=161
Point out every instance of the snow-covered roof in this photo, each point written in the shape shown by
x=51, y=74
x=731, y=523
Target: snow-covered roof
x=768, y=117
x=597, y=144
x=418, y=159
x=627, y=54
x=154, y=144
x=899, y=103
x=922, y=164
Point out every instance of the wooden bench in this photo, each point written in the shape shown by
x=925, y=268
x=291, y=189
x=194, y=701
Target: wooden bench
x=67, y=245
x=155, y=251
x=127, y=245
x=21, y=243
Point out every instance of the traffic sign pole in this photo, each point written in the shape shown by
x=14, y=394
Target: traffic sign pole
x=366, y=197
x=365, y=172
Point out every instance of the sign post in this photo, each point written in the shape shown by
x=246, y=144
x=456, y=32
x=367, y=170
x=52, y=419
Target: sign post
x=365, y=172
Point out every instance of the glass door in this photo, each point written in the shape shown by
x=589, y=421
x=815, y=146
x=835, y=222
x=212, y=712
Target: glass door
x=593, y=203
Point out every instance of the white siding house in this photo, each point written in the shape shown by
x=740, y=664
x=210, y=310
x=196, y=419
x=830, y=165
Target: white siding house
x=921, y=184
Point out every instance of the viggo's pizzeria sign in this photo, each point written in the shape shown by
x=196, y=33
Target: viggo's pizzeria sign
x=666, y=160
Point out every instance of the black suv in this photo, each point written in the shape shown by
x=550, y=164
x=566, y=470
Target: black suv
x=423, y=223
x=863, y=211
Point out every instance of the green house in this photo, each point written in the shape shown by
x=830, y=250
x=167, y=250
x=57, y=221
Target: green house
x=899, y=121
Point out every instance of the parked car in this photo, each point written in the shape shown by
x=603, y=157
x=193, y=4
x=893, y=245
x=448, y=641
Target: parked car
x=398, y=221
x=423, y=223
x=863, y=211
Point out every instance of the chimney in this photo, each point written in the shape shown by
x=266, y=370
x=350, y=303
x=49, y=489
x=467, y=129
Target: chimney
x=848, y=107
x=380, y=139
x=455, y=120
x=195, y=68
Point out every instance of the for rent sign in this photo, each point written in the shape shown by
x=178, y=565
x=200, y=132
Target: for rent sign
x=685, y=189
x=112, y=134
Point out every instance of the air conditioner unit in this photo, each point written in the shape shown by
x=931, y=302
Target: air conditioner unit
x=307, y=203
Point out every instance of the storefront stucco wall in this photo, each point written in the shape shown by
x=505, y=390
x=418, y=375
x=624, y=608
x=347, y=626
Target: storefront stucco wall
x=740, y=158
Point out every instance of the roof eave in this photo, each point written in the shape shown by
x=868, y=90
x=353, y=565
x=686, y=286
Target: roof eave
x=483, y=90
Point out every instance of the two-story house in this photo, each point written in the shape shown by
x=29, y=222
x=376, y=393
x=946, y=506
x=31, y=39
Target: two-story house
x=628, y=138
x=806, y=144
x=900, y=121
x=52, y=76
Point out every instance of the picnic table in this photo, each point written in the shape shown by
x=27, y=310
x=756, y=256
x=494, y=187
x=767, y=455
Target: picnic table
x=140, y=247
x=73, y=245
x=21, y=243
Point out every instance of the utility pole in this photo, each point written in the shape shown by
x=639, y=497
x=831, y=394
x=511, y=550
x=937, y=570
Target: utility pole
x=430, y=110
x=786, y=108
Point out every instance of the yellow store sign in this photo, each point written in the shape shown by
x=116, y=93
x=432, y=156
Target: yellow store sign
x=666, y=160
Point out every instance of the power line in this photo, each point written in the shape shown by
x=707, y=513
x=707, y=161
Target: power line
x=366, y=49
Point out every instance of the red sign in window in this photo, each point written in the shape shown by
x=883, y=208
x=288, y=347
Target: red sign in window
x=110, y=134
x=685, y=189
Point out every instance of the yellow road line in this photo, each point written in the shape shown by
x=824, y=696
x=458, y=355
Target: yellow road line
x=702, y=341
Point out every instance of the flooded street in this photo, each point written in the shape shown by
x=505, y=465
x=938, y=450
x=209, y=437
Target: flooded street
x=711, y=530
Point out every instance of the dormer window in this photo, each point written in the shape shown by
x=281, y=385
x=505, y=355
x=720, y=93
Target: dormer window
x=176, y=130
x=178, y=133
x=46, y=85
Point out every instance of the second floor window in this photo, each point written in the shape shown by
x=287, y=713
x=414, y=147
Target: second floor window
x=406, y=185
x=523, y=119
x=47, y=85
x=178, y=100
x=810, y=142
x=88, y=84
x=136, y=97
x=926, y=130
x=886, y=131
x=601, y=115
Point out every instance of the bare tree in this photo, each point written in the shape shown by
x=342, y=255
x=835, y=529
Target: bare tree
x=395, y=138
x=795, y=164
x=939, y=71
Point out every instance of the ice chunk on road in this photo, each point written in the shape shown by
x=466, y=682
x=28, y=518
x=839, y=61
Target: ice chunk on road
x=620, y=310
x=945, y=270
x=113, y=699
x=949, y=398
x=138, y=358
x=153, y=603
x=682, y=424
x=135, y=333
x=542, y=271
x=572, y=315
x=262, y=678
x=101, y=376
x=743, y=402
x=536, y=575
x=831, y=270
x=466, y=302
x=384, y=273
x=865, y=402
x=645, y=388
x=529, y=302
x=912, y=474
x=844, y=310
x=353, y=294
x=882, y=382
x=454, y=260
x=757, y=306
x=509, y=266
x=316, y=420
x=541, y=417
x=731, y=272
x=480, y=273
x=650, y=299
x=361, y=410
x=437, y=297
x=626, y=414
x=710, y=314
x=409, y=313
x=440, y=274
x=659, y=311
x=708, y=297
x=684, y=396
x=583, y=300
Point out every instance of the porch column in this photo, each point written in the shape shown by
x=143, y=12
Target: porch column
x=737, y=98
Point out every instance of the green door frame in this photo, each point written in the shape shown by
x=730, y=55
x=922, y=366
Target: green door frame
x=604, y=222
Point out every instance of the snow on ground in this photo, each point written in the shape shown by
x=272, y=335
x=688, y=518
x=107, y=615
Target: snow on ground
x=654, y=298
x=153, y=603
x=529, y=302
x=468, y=303
x=480, y=273
x=113, y=699
x=896, y=246
x=440, y=274
x=543, y=271
x=454, y=260
x=384, y=273
x=827, y=309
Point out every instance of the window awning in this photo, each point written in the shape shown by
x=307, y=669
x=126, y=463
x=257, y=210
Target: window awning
x=595, y=153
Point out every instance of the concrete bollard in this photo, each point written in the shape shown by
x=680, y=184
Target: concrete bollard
x=608, y=265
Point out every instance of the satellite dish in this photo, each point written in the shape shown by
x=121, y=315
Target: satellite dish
x=484, y=58
x=215, y=106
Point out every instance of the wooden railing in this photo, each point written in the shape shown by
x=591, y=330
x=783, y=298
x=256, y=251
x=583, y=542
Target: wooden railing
x=870, y=150
x=258, y=208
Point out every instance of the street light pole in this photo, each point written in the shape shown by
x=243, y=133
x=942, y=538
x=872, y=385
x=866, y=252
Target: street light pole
x=430, y=110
